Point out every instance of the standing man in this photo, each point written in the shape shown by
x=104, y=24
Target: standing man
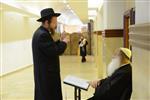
x=46, y=57
x=82, y=44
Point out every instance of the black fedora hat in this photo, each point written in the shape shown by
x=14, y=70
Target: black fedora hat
x=47, y=13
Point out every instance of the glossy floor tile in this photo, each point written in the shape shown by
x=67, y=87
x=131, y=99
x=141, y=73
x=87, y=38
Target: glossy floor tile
x=20, y=85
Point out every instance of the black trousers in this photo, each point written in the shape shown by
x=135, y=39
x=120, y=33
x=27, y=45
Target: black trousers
x=83, y=59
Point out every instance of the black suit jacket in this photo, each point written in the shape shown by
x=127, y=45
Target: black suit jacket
x=116, y=87
x=83, y=51
x=46, y=65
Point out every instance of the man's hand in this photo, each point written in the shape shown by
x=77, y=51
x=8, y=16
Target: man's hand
x=63, y=36
x=94, y=83
x=66, y=39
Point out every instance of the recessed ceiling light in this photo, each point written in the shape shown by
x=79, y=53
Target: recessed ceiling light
x=64, y=1
x=95, y=3
x=68, y=6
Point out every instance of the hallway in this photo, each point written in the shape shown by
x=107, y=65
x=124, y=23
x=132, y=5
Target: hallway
x=22, y=81
x=70, y=28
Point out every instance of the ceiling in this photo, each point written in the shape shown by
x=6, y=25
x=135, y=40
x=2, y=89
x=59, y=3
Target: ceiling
x=73, y=11
x=81, y=8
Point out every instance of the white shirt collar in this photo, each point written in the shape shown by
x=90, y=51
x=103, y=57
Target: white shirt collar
x=125, y=64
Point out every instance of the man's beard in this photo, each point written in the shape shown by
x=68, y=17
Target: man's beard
x=52, y=30
x=113, y=66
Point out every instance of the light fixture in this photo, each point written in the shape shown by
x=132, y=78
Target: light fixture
x=95, y=3
x=68, y=6
x=64, y=1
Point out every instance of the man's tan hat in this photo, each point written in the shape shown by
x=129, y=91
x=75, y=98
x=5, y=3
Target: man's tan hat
x=127, y=52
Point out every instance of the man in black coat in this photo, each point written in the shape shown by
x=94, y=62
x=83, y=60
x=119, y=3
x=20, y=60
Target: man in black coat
x=118, y=84
x=82, y=44
x=46, y=58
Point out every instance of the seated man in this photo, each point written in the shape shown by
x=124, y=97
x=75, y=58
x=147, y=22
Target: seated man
x=118, y=84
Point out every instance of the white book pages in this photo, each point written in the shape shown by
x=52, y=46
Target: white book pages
x=77, y=82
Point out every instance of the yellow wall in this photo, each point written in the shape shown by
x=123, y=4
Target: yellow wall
x=141, y=74
x=110, y=45
x=16, y=26
x=94, y=46
x=97, y=50
x=130, y=4
x=113, y=14
x=100, y=60
x=16, y=29
x=99, y=22
x=139, y=40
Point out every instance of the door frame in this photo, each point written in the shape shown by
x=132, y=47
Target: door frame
x=128, y=19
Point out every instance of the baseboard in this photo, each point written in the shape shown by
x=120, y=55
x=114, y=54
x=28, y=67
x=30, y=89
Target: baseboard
x=15, y=70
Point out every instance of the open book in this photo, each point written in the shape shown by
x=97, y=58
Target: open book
x=77, y=82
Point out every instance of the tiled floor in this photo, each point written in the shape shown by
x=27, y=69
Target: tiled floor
x=20, y=85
